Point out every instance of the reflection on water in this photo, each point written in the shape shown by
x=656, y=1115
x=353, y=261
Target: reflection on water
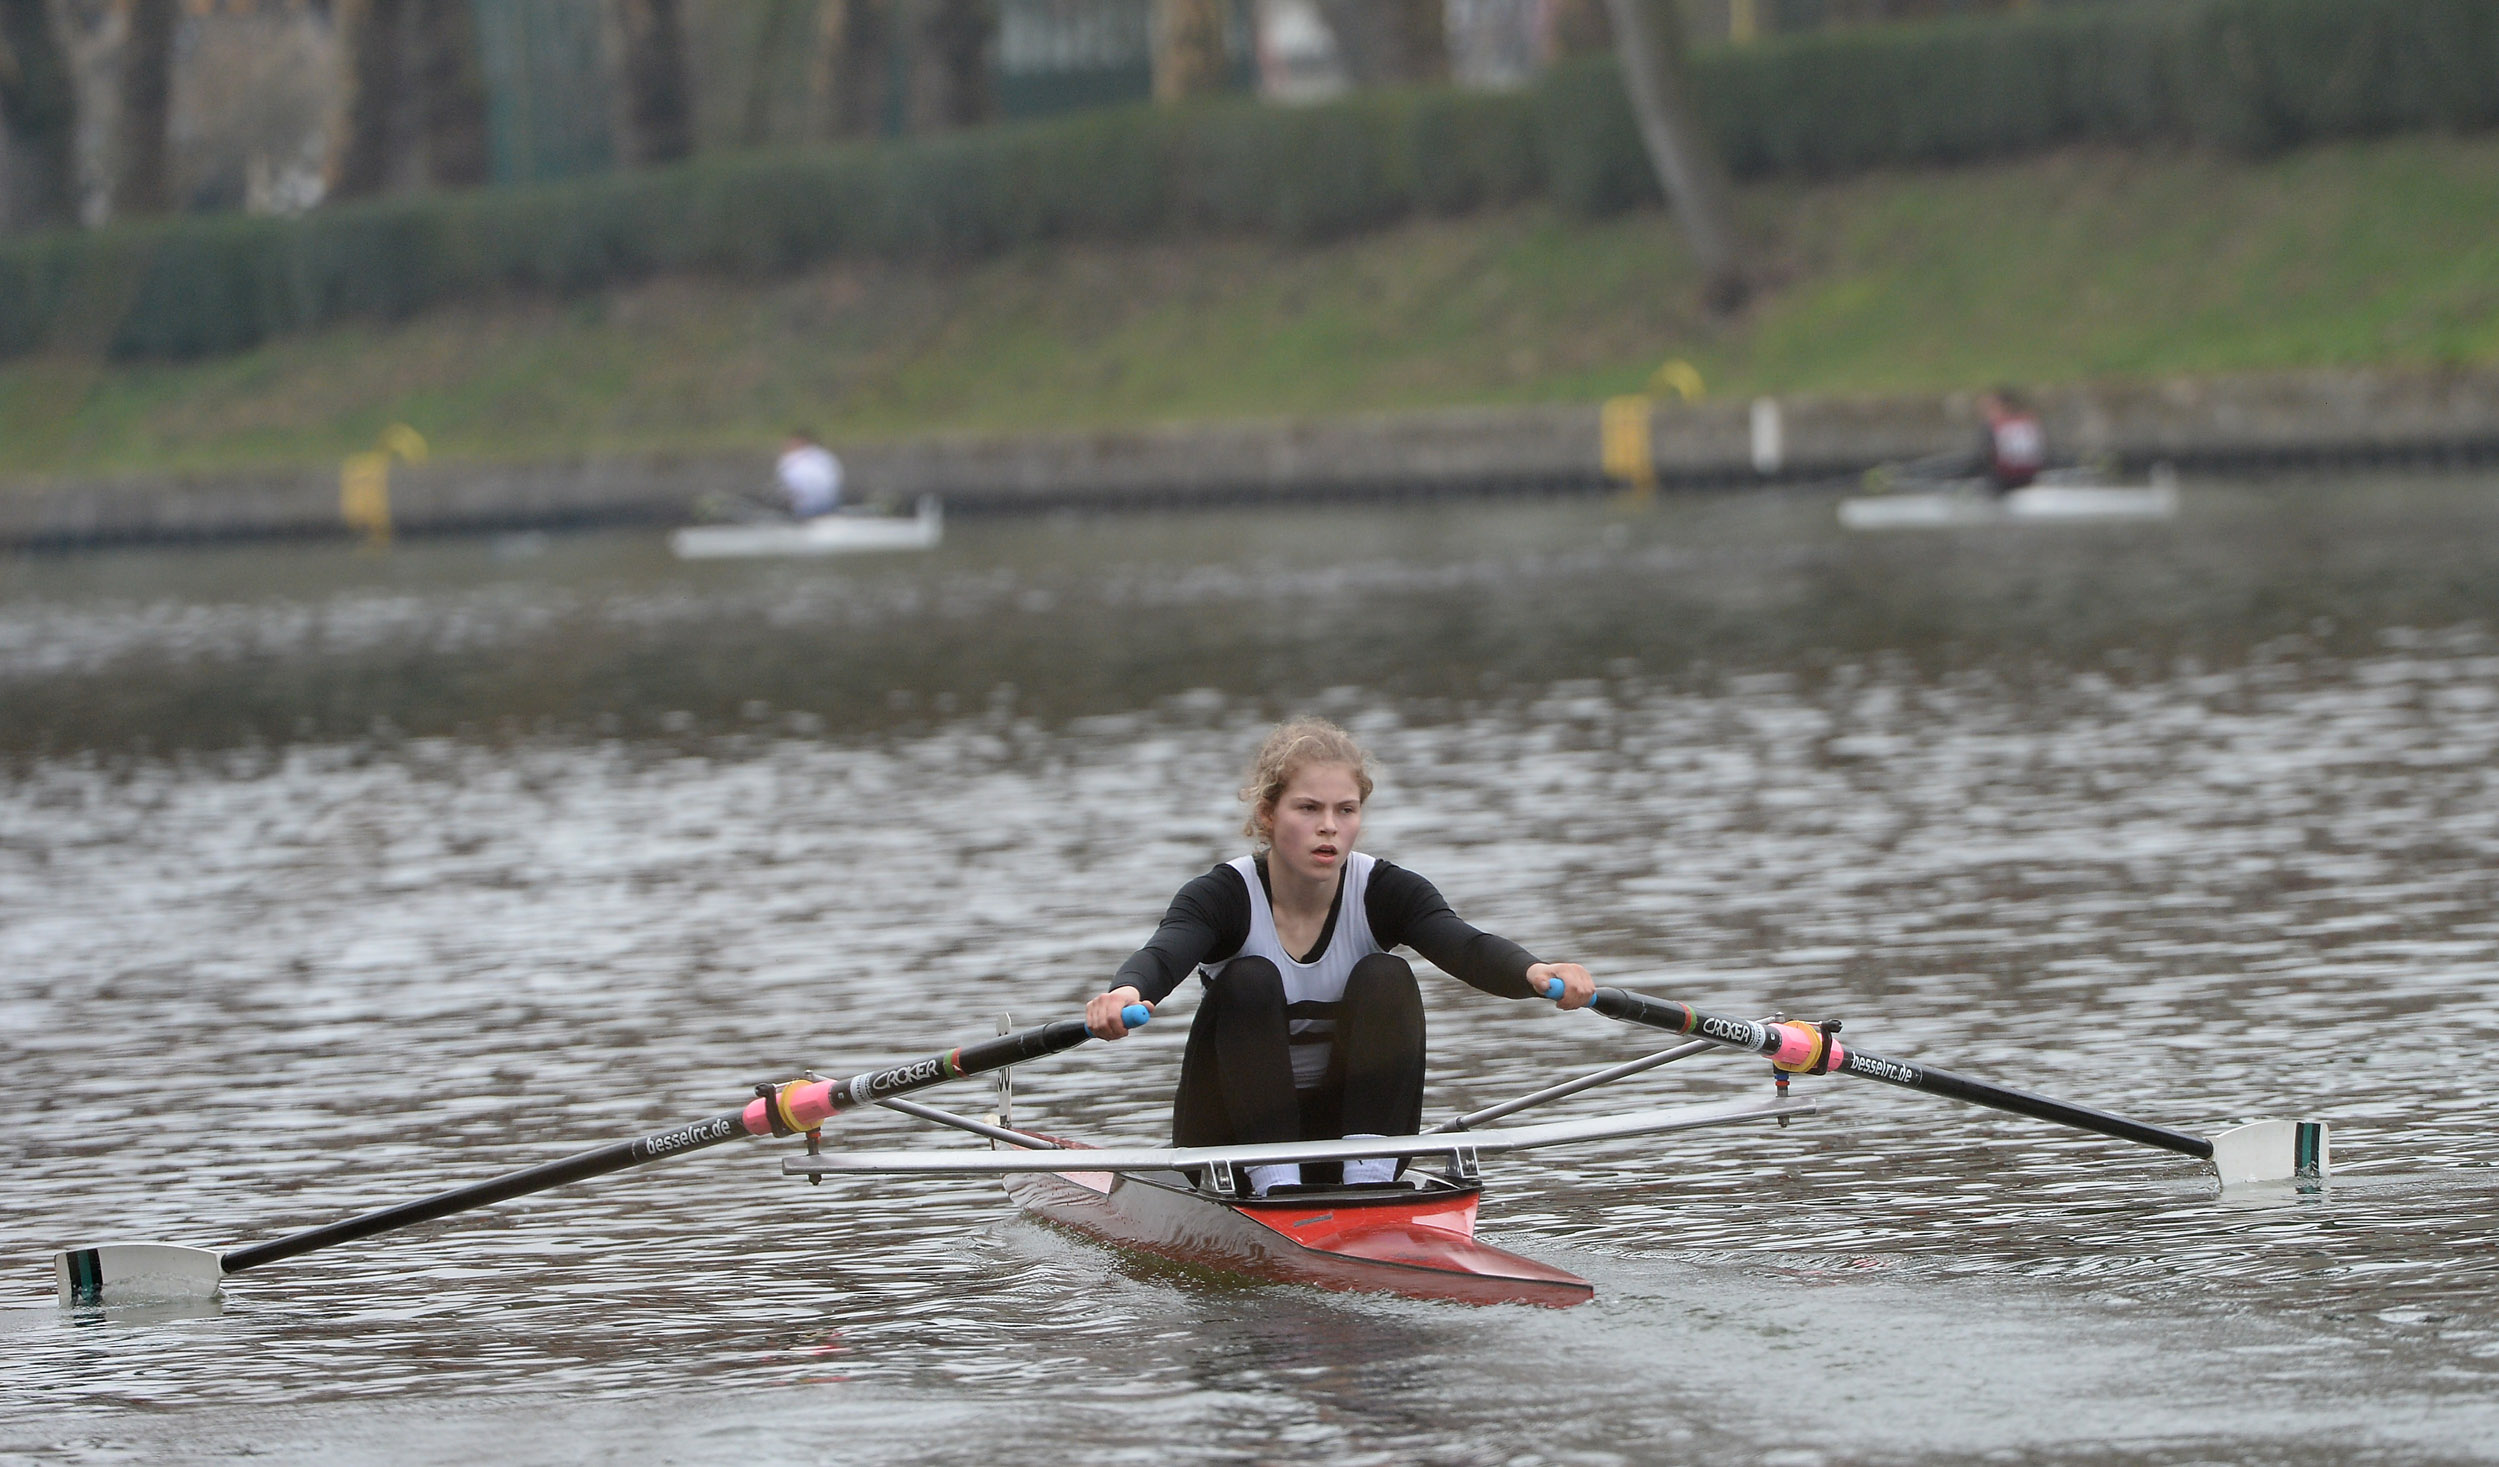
x=2196, y=824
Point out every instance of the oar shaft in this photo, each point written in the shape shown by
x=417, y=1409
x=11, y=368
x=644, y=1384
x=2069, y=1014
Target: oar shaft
x=1786, y=1042
x=800, y=1106
x=2021, y=1102
x=540, y=1178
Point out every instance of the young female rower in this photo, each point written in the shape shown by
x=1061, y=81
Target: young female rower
x=1312, y=1027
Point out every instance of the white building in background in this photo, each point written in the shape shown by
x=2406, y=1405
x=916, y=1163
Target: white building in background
x=1297, y=55
x=1498, y=43
x=1492, y=44
x=1074, y=35
x=1058, y=55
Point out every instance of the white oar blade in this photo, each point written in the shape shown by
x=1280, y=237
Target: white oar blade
x=113, y=1274
x=2271, y=1151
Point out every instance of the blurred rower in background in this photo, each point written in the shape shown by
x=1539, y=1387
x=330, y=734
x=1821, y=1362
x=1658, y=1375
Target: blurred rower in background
x=2012, y=447
x=811, y=477
x=2010, y=451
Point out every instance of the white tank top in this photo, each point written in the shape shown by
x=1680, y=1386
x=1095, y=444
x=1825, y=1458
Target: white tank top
x=1320, y=982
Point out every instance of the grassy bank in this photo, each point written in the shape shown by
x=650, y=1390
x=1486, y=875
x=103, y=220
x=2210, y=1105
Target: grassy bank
x=2070, y=267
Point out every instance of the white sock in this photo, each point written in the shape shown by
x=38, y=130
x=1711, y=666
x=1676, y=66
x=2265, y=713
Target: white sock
x=1289, y=1174
x=1369, y=1168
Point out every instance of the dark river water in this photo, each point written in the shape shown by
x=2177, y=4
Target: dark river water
x=329, y=879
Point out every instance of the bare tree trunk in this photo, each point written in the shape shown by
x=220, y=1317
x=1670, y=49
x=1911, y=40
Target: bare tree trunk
x=371, y=31
x=950, y=85
x=451, y=94
x=771, y=39
x=1422, y=30
x=1188, y=48
x=1384, y=42
x=853, y=57
x=140, y=185
x=1578, y=27
x=824, y=53
x=39, y=112
x=659, y=101
x=1648, y=38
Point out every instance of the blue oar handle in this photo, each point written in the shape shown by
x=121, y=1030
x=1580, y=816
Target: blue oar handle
x=1553, y=989
x=1135, y=1015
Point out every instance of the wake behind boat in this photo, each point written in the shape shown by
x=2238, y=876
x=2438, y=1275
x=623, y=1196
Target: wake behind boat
x=829, y=534
x=2056, y=496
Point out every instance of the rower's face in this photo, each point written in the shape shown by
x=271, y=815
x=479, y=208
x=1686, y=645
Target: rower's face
x=1316, y=820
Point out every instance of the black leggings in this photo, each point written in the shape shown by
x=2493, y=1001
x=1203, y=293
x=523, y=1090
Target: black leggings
x=1236, y=1077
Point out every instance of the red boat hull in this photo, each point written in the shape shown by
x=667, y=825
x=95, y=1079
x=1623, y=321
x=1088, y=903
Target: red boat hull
x=1417, y=1244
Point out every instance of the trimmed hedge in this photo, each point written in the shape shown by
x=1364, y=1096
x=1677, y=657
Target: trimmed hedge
x=2245, y=75
x=2250, y=76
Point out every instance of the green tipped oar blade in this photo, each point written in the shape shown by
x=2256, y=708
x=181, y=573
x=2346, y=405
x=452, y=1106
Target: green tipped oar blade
x=136, y=1273
x=110, y=1274
x=2266, y=1151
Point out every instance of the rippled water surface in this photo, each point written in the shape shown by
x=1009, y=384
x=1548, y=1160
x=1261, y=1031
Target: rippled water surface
x=327, y=880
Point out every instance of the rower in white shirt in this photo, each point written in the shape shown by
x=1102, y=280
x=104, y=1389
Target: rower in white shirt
x=811, y=477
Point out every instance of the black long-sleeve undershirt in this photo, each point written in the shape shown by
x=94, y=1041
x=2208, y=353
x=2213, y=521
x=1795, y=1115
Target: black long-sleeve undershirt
x=1210, y=918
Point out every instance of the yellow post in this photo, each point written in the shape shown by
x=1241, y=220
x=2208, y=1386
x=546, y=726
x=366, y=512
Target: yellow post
x=1679, y=377
x=364, y=482
x=364, y=496
x=403, y=440
x=1624, y=447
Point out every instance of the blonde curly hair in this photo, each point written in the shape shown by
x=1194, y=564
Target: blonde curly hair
x=1291, y=747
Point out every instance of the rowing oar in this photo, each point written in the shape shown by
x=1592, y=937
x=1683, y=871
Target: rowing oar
x=111, y=1273
x=2262, y=1151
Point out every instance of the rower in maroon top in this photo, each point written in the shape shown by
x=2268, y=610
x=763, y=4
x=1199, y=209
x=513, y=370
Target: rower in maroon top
x=2013, y=448
x=1312, y=1026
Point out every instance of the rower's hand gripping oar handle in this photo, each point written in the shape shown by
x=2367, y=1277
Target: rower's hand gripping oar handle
x=1798, y=1049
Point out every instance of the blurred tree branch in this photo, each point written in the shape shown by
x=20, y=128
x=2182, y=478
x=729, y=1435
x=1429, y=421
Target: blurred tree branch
x=416, y=97
x=1188, y=48
x=772, y=39
x=1578, y=27
x=853, y=43
x=39, y=115
x=146, y=83
x=659, y=101
x=1649, y=42
x=451, y=95
x=1384, y=42
x=370, y=32
x=950, y=83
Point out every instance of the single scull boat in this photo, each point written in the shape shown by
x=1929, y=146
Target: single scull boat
x=830, y=534
x=1417, y=1240
x=1190, y=1204
x=1414, y=1236
x=2054, y=498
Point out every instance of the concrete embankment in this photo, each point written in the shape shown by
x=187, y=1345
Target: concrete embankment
x=2216, y=425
